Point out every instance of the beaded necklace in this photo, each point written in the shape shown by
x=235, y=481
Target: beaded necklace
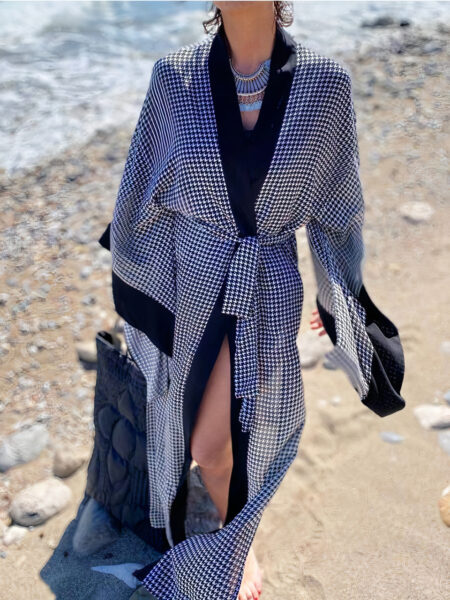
x=250, y=88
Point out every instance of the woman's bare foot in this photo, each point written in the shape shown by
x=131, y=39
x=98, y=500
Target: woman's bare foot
x=251, y=585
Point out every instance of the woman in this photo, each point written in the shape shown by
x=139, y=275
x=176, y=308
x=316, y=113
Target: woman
x=242, y=139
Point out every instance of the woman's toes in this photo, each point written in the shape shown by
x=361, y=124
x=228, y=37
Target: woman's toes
x=245, y=593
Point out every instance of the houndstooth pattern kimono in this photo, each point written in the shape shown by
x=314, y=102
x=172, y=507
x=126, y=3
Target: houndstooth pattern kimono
x=174, y=239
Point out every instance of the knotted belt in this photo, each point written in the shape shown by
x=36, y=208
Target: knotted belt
x=240, y=299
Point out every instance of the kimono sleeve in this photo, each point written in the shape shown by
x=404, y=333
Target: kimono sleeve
x=141, y=235
x=335, y=238
x=146, y=143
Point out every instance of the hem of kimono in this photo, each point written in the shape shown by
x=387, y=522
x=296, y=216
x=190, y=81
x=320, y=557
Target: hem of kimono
x=206, y=353
x=383, y=394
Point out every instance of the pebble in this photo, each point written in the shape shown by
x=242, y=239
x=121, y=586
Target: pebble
x=89, y=299
x=380, y=21
x=14, y=535
x=23, y=446
x=391, y=437
x=87, y=351
x=202, y=515
x=37, y=503
x=432, y=416
x=416, y=211
x=95, y=529
x=431, y=47
x=444, y=440
x=444, y=506
x=85, y=272
x=312, y=348
x=67, y=460
x=25, y=382
x=447, y=396
x=335, y=400
x=445, y=347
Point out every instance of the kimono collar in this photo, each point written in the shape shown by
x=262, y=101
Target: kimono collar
x=231, y=136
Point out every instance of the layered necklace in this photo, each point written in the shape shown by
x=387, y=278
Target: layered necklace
x=250, y=88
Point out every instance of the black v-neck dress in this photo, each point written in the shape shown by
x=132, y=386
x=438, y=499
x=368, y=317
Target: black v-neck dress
x=246, y=157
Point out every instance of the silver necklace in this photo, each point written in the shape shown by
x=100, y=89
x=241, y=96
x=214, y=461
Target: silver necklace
x=250, y=88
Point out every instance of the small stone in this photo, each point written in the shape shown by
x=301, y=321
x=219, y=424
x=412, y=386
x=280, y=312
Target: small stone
x=432, y=47
x=95, y=529
x=379, y=21
x=416, y=211
x=447, y=396
x=85, y=272
x=444, y=440
x=23, y=446
x=37, y=503
x=202, y=515
x=391, y=437
x=67, y=460
x=14, y=535
x=433, y=416
x=445, y=347
x=87, y=351
x=20, y=561
x=444, y=508
x=312, y=348
x=89, y=299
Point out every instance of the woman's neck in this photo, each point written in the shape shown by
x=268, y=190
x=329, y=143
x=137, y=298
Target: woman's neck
x=249, y=44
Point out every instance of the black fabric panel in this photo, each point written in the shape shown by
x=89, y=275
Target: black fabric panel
x=144, y=313
x=218, y=325
x=104, y=239
x=147, y=314
x=246, y=157
x=388, y=365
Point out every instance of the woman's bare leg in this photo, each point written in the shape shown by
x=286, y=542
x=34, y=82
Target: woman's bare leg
x=211, y=448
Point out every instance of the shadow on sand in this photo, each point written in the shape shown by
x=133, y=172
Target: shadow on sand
x=70, y=576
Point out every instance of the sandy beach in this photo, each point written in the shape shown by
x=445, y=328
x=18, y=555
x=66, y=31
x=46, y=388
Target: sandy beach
x=357, y=516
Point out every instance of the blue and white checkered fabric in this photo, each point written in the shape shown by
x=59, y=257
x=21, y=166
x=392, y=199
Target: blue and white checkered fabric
x=174, y=238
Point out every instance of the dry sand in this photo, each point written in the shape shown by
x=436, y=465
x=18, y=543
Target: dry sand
x=356, y=518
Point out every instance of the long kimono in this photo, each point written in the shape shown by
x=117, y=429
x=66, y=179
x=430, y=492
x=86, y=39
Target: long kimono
x=175, y=241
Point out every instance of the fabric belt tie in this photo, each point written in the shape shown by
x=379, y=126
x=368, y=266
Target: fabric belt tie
x=240, y=299
x=241, y=284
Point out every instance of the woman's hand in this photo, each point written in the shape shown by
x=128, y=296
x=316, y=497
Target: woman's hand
x=316, y=323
